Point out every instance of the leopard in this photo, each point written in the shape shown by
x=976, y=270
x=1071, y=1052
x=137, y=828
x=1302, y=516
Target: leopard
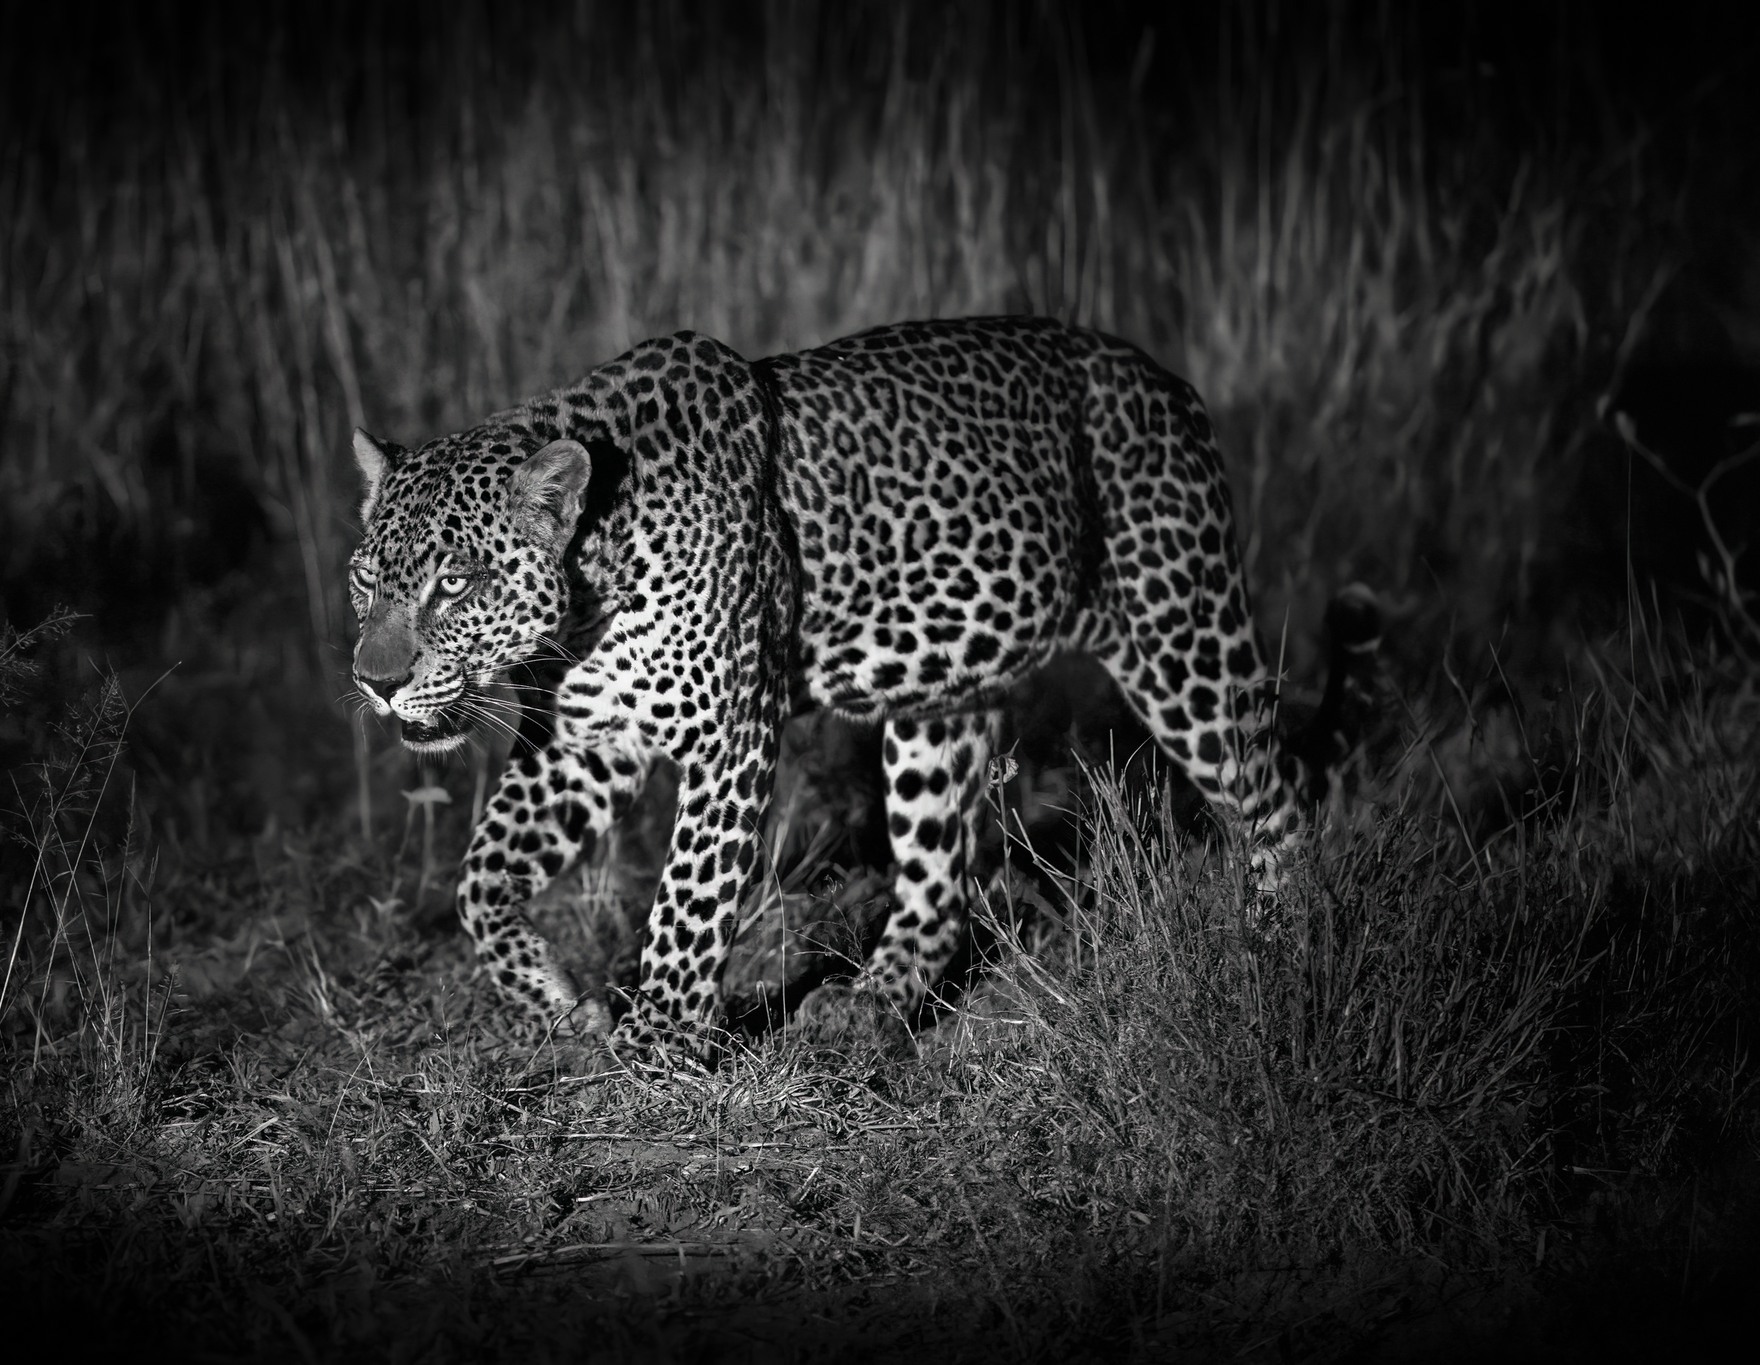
x=900, y=526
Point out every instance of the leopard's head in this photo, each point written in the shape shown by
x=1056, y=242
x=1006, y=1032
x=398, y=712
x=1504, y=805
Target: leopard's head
x=460, y=572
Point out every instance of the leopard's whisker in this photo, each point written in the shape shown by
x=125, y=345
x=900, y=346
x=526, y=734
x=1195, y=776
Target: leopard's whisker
x=500, y=666
x=561, y=653
x=513, y=704
x=486, y=716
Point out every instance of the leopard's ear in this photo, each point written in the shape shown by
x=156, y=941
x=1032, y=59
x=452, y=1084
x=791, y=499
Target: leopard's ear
x=547, y=491
x=374, y=458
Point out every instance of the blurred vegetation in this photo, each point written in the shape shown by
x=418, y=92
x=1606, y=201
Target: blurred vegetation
x=1472, y=307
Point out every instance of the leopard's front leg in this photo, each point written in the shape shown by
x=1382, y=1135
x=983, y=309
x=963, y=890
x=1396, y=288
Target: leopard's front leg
x=712, y=862
x=548, y=811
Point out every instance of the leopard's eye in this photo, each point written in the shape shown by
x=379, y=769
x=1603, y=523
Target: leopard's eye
x=452, y=584
x=362, y=577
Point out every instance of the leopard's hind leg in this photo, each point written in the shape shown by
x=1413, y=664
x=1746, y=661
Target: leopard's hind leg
x=934, y=772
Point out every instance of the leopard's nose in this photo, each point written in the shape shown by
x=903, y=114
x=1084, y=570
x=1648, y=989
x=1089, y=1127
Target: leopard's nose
x=383, y=688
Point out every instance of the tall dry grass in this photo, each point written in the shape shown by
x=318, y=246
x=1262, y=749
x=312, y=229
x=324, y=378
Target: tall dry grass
x=230, y=240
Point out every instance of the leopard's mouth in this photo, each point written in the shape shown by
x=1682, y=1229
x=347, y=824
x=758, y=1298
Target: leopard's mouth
x=440, y=733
